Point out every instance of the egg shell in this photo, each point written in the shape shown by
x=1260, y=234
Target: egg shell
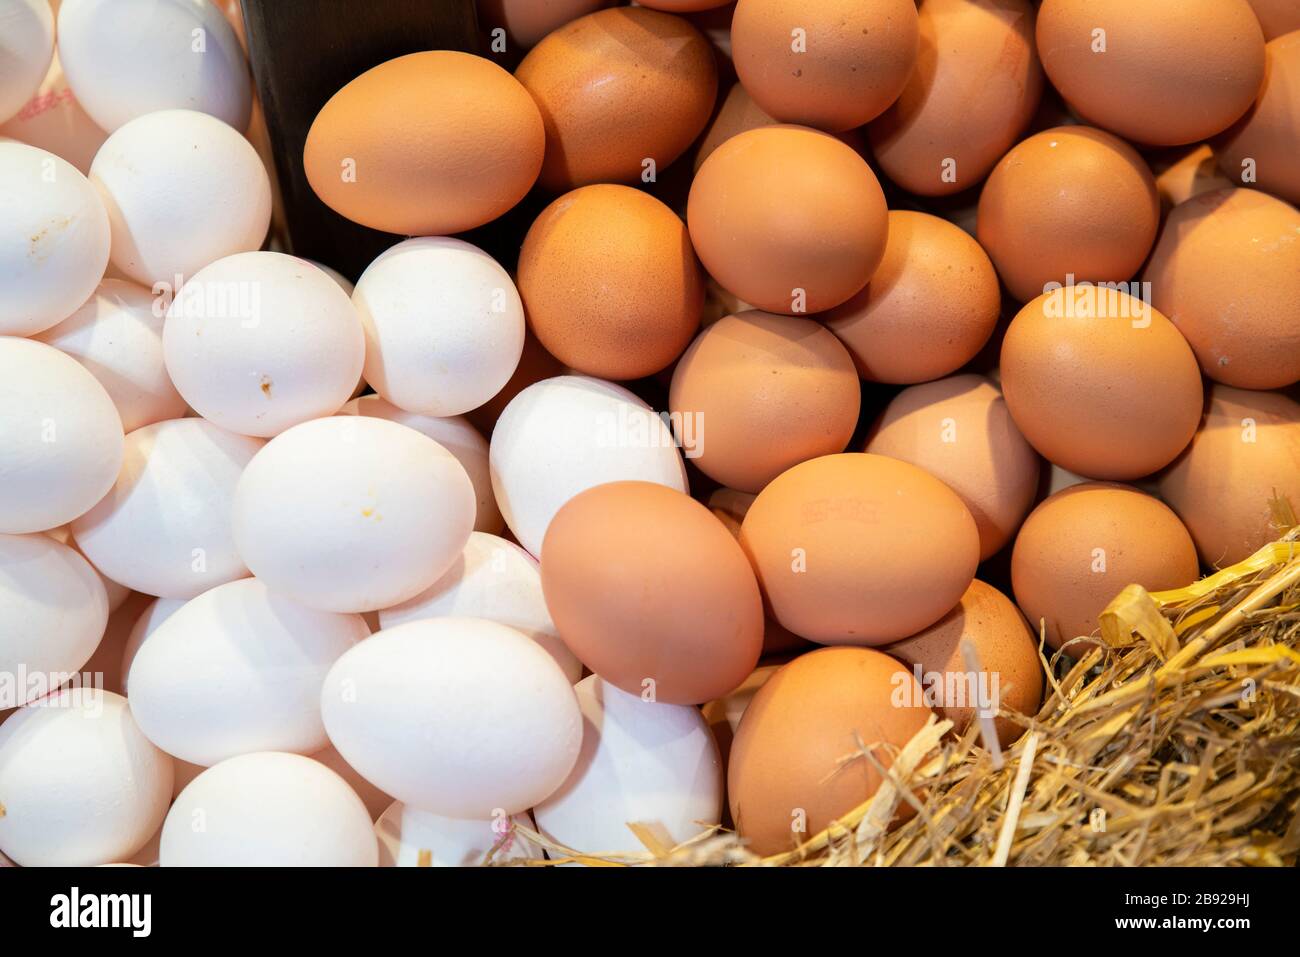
x=1100, y=383
x=1246, y=451
x=1070, y=201
x=976, y=85
x=736, y=113
x=1083, y=545
x=53, y=120
x=81, y=784
x=164, y=528
x=403, y=147
x=444, y=325
x=935, y=286
x=688, y=629
x=462, y=717
x=1276, y=17
x=409, y=837
x=525, y=22
x=1265, y=141
x=561, y=436
x=268, y=809
x=642, y=762
x=25, y=51
x=1192, y=172
x=785, y=777
x=741, y=222
x=126, y=58
x=723, y=714
x=1153, y=75
x=61, y=438
x=149, y=620
x=859, y=549
x=684, y=6
x=619, y=88
x=55, y=243
x=535, y=364
x=1226, y=271
x=758, y=393
x=117, y=592
x=322, y=515
x=833, y=65
x=497, y=580
x=261, y=341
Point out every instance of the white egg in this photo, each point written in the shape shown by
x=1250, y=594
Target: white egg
x=61, y=441
x=53, y=120
x=117, y=592
x=79, y=782
x=497, y=580
x=26, y=45
x=409, y=837
x=164, y=529
x=642, y=762
x=459, y=716
x=125, y=58
x=54, y=239
x=53, y=611
x=351, y=513
x=268, y=810
x=182, y=190
x=455, y=434
x=561, y=436
x=258, y=342
x=154, y=614
x=444, y=325
x=117, y=336
x=343, y=281
x=375, y=800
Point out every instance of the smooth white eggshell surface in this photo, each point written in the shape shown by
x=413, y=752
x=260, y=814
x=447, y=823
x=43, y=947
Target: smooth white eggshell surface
x=79, y=782
x=444, y=325
x=53, y=120
x=125, y=58
x=26, y=46
x=261, y=341
x=154, y=614
x=351, y=513
x=54, y=239
x=458, y=716
x=562, y=436
x=642, y=762
x=61, y=442
x=164, y=529
x=409, y=837
x=497, y=580
x=268, y=809
x=239, y=669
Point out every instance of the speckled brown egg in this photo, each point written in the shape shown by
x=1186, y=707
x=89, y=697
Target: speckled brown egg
x=1100, y=383
x=1276, y=17
x=610, y=283
x=527, y=21
x=787, y=218
x=859, y=549
x=652, y=593
x=1226, y=271
x=1010, y=675
x=1151, y=71
x=763, y=393
x=1083, y=545
x=1262, y=148
x=975, y=88
x=834, y=64
x=930, y=307
x=1068, y=201
x=1246, y=451
x=623, y=92
x=959, y=430
x=427, y=144
x=787, y=776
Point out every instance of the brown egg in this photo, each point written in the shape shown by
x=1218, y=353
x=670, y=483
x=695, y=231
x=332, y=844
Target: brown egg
x=1262, y=148
x=859, y=549
x=834, y=64
x=1010, y=676
x=788, y=219
x=737, y=114
x=796, y=762
x=1226, y=271
x=959, y=430
x=645, y=585
x=427, y=144
x=1152, y=72
x=729, y=507
x=1100, y=383
x=1246, y=451
x=527, y=21
x=975, y=88
x=610, y=282
x=1068, y=201
x=763, y=393
x=1084, y=545
x=623, y=93
x=1192, y=172
x=723, y=714
x=1276, y=17
x=930, y=307
x=683, y=6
